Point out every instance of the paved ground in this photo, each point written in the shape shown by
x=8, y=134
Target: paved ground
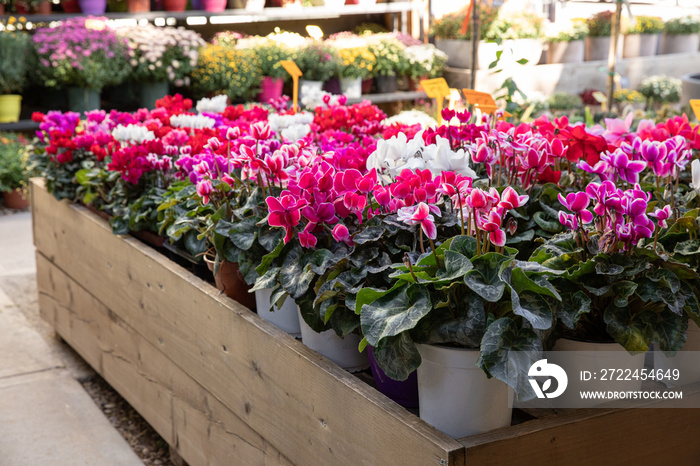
x=45, y=415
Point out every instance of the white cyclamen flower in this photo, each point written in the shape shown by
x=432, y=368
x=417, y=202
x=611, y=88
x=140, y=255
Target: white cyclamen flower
x=132, y=134
x=192, y=121
x=216, y=104
x=695, y=166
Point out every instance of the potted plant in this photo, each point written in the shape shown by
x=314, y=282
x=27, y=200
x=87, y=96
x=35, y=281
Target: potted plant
x=40, y=7
x=660, y=89
x=234, y=72
x=13, y=170
x=318, y=63
x=453, y=38
x=598, y=39
x=97, y=7
x=159, y=56
x=681, y=35
x=424, y=61
x=630, y=97
x=620, y=289
x=15, y=49
x=355, y=64
x=565, y=41
x=269, y=53
x=517, y=36
x=391, y=61
x=563, y=103
x=642, y=37
x=81, y=55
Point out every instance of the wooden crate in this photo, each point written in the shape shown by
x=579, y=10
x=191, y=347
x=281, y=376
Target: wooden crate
x=223, y=386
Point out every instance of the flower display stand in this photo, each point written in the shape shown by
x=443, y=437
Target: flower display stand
x=223, y=386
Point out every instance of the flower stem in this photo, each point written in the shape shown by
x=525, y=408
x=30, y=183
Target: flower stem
x=422, y=249
x=432, y=246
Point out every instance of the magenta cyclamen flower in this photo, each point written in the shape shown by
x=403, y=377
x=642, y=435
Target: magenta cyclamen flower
x=625, y=169
x=492, y=225
x=285, y=212
x=662, y=215
x=306, y=238
x=204, y=189
x=511, y=200
x=577, y=203
x=421, y=214
x=341, y=234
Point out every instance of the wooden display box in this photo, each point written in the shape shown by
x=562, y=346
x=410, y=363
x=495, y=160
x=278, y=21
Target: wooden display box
x=223, y=386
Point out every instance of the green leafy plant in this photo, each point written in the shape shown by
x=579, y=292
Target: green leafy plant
x=425, y=60
x=269, y=53
x=390, y=55
x=600, y=24
x=577, y=29
x=13, y=162
x=523, y=25
x=318, y=62
x=661, y=88
x=564, y=101
x=14, y=63
x=645, y=25
x=450, y=25
x=682, y=25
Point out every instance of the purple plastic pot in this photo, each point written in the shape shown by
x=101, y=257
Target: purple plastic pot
x=332, y=86
x=404, y=393
x=93, y=7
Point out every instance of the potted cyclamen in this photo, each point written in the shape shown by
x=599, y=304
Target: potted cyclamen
x=318, y=63
x=269, y=53
x=13, y=171
x=14, y=49
x=81, y=55
x=681, y=35
x=159, y=56
x=642, y=37
x=566, y=44
x=598, y=39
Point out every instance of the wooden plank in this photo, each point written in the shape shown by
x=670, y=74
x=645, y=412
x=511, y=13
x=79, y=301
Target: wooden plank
x=305, y=406
x=596, y=436
x=199, y=427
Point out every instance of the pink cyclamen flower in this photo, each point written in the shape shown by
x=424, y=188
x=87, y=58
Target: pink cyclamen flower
x=625, y=168
x=341, y=234
x=662, y=215
x=204, y=190
x=421, y=214
x=492, y=225
x=260, y=130
x=285, y=212
x=511, y=200
x=306, y=238
x=577, y=203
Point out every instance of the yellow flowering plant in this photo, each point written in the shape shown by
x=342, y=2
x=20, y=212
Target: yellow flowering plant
x=629, y=95
x=269, y=53
x=225, y=70
x=390, y=55
x=356, y=62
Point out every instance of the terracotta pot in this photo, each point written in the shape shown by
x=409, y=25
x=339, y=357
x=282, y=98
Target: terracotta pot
x=367, y=85
x=2, y=8
x=230, y=280
x=17, y=199
x=44, y=8
x=70, y=6
x=138, y=6
x=566, y=52
x=174, y=5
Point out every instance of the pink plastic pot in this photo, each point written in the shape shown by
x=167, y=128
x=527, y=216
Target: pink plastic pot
x=214, y=6
x=270, y=88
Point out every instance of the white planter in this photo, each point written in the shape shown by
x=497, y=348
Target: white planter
x=285, y=318
x=309, y=86
x=342, y=351
x=351, y=87
x=595, y=356
x=640, y=45
x=566, y=52
x=686, y=363
x=680, y=43
x=459, y=52
x=529, y=49
x=597, y=48
x=456, y=397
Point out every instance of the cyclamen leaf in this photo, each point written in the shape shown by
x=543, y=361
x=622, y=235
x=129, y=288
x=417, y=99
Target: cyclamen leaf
x=295, y=276
x=394, y=312
x=573, y=306
x=533, y=307
x=243, y=233
x=369, y=234
x=632, y=334
x=369, y=295
x=397, y=356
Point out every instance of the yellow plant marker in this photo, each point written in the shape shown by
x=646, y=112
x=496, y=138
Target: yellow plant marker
x=482, y=101
x=436, y=89
x=296, y=73
x=695, y=105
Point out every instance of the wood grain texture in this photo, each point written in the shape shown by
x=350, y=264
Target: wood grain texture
x=199, y=427
x=302, y=404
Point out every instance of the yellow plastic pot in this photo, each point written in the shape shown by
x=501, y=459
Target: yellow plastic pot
x=10, y=106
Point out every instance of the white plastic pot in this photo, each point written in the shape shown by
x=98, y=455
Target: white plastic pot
x=597, y=356
x=306, y=86
x=685, y=362
x=456, y=397
x=342, y=351
x=351, y=87
x=285, y=318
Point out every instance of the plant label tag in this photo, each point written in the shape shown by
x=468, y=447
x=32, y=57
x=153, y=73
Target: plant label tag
x=436, y=89
x=481, y=100
x=295, y=73
x=695, y=105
